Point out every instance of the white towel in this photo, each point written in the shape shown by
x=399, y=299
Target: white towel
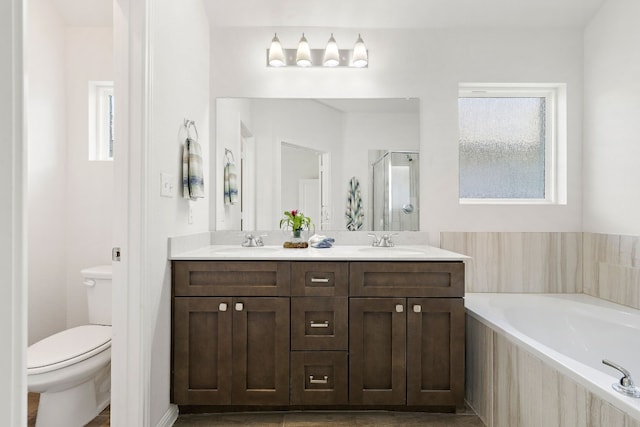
x=192, y=177
x=230, y=184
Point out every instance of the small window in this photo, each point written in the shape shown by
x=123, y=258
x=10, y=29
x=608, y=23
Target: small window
x=100, y=120
x=508, y=144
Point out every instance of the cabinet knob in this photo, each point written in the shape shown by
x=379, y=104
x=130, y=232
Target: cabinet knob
x=239, y=306
x=222, y=306
x=399, y=308
x=417, y=308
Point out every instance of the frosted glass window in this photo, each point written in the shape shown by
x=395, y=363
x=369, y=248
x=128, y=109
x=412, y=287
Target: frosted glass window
x=502, y=147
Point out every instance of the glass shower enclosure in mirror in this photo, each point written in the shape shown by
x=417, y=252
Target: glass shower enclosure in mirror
x=304, y=154
x=395, y=183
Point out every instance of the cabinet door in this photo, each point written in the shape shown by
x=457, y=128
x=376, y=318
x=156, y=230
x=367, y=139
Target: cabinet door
x=260, y=351
x=377, y=340
x=435, y=351
x=202, y=351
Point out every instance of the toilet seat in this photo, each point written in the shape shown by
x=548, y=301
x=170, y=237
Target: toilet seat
x=67, y=348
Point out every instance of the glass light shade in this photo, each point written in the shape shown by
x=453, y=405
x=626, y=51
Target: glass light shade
x=331, y=55
x=303, y=55
x=360, y=56
x=276, y=55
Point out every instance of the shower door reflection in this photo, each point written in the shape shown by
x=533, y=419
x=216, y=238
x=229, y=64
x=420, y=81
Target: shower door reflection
x=395, y=191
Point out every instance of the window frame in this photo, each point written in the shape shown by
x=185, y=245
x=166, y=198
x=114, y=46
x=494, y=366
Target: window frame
x=100, y=144
x=555, y=137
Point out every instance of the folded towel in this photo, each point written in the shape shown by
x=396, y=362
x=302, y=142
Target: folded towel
x=192, y=177
x=230, y=184
x=317, y=241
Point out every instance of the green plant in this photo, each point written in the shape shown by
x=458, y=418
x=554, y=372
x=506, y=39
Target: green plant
x=295, y=220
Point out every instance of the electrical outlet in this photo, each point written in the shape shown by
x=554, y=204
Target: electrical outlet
x=167, y=187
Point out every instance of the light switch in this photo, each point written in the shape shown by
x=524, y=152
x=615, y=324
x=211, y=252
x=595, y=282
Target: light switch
x=167, y=186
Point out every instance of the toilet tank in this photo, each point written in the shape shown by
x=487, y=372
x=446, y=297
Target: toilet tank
x=97, y=282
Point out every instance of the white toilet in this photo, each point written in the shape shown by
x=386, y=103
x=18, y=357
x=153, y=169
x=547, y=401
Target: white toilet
x=72, y=369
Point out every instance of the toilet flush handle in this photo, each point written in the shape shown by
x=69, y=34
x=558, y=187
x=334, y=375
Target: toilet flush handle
x=89, y=282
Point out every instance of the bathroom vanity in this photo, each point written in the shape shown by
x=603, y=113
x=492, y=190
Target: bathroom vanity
x=346, y=327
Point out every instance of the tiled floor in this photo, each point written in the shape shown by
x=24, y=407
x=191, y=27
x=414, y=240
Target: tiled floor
x=301, y=419
x=333, y=419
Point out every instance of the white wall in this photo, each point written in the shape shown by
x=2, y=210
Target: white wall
x=180, y=88
x=427, y=64
x=611, y=112
x=47, y=165
x=89, y=184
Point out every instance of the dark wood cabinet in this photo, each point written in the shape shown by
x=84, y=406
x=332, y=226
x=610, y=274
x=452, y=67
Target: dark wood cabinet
x=378, y=337
x=333, y=334
x=230, y=350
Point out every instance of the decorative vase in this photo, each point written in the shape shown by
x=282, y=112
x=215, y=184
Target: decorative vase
x=296, y=233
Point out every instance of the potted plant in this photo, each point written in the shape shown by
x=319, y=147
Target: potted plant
x=296, y=221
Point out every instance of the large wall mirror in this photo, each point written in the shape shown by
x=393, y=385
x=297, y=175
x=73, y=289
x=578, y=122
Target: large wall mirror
x=346, y=163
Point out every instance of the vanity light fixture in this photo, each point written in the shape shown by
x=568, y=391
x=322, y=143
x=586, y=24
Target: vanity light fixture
x=331, y=56
x=276, y=55
x=303, y=54
x=360, y=56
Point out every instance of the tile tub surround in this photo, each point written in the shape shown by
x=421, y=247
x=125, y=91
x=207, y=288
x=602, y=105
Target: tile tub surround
x=612, y=268
x=519, y=262
x=508, y=387
x=513, y=381
x=605, y=266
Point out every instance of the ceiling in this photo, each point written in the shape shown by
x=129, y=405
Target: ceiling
x=366, y=13
x=401, y=13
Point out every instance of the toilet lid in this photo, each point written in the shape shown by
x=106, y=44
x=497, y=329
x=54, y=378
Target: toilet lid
x=68, y=347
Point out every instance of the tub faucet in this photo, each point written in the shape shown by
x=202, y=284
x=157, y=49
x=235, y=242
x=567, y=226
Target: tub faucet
x=250, y=241
x=626, y=385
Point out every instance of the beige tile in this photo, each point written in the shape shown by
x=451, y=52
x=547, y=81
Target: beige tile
x=479, y=368
x=603, y=414
x=612, y=267
x=519, y=262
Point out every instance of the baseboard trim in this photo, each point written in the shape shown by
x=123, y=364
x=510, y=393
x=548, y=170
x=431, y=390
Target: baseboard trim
x=169, y=417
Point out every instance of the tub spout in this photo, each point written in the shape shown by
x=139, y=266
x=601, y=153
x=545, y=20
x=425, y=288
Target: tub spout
x=626, y=385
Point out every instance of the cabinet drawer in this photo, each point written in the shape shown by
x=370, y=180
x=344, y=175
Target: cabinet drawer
x=231, y=278
x=319, y=323
x=321, y=279
x=407, y=279
x=319, y=378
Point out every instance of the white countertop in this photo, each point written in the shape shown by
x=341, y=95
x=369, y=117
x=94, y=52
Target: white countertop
x=336, y=253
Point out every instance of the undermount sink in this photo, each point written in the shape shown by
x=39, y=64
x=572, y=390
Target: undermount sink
x=391, y=250
x=252, y=250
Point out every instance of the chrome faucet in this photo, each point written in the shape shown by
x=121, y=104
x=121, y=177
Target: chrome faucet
x=382, y=242
x=626, y=385
x=250, y=241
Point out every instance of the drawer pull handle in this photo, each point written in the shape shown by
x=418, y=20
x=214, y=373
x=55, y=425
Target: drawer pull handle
x=399, y=308
x=239, y=306
x=319, y=280
x=417, y=308
x=222, y=306
x=324, y=324
x=312, y=380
